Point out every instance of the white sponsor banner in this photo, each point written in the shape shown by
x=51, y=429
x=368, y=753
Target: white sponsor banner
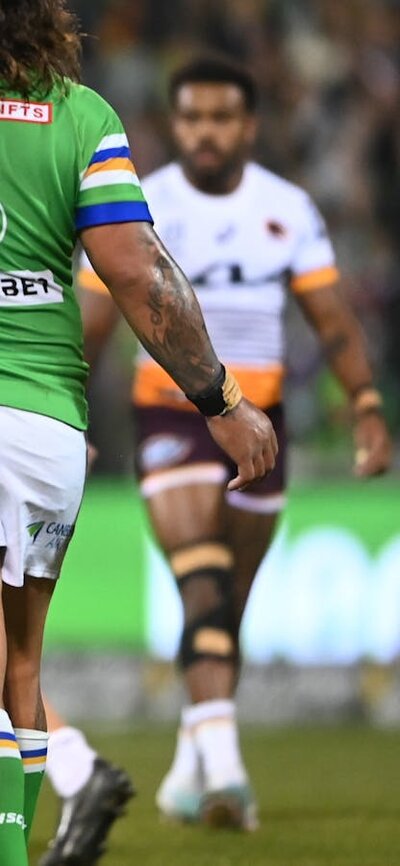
x=29, y=289
x=27, y=112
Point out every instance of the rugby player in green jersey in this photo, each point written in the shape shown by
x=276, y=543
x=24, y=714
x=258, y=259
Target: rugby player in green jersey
x=66, y=171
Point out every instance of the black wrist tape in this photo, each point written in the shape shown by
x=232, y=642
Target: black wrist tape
x=212, y=401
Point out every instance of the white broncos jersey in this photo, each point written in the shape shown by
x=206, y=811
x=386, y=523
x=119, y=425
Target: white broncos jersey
x=241, y=252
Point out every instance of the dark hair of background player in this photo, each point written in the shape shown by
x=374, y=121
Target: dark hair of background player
x=214, y=70
x=39, y=45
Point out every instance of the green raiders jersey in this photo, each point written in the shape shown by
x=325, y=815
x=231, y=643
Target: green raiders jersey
x=65, y=165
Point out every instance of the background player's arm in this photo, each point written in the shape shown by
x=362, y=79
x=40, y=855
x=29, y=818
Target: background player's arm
x=341, y=337
x=160, y=306
x=99, y=316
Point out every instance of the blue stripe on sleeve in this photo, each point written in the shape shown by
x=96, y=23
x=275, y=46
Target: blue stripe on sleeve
x=111, y=153
x=34, y=753
x=113, y=212
x=7, y=736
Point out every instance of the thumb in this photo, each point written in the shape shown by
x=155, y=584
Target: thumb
x=237, y=483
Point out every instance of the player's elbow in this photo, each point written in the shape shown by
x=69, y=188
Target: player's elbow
x=123, y=255
x=128, y=278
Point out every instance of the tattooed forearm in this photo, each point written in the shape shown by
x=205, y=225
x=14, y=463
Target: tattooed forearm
x=156, y=300
x=171, y=325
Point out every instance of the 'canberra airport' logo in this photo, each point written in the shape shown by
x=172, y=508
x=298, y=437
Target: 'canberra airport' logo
x=55, y=535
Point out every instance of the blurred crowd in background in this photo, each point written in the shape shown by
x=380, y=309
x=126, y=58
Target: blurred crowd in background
x=329, y=78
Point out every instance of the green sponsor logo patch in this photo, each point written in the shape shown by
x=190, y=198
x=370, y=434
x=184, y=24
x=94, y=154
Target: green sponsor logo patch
x=34, y=529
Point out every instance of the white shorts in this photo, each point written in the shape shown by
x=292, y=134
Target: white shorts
x=42, y=476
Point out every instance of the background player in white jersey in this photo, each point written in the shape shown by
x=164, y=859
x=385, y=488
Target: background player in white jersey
x=260, y=237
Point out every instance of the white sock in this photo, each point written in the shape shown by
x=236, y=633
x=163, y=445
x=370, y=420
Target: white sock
x=215, y=733
x=185, y=764
x=33, y=747
x=70, y=761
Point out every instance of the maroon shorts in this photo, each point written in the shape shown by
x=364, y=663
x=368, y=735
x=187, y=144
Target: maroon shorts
x=174, y=447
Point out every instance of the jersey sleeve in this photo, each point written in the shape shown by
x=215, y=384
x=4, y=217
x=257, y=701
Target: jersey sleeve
x=109, y=188
x=313, y=264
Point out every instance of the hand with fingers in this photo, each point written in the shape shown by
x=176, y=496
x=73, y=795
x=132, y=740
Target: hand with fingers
x=248, y=437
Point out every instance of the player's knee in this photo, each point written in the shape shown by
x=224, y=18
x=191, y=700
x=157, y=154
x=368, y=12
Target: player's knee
x=203, y=573
x=201, y=559
x=212, y=636
x=204, y=576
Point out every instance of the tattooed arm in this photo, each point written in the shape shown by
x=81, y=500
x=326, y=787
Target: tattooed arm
x=155, y=299
x=159, y=304
x=343, y=344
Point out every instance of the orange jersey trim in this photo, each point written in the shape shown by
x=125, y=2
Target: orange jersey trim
x=113, y=164
x=315, y=279
x=303, y=283
x=87, y=279
x=152, y=386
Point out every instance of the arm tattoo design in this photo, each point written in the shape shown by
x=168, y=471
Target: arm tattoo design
x=176, y=337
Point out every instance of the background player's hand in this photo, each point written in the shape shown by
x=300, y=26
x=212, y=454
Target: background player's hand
x=373, y=447
x=248, y=437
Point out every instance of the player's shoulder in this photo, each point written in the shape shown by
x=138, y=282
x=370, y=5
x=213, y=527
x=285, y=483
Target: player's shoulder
x=94, y=121
x=274, y=185
x=79, y=95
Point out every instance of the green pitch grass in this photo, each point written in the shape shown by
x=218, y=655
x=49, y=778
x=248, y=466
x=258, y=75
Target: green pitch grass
x=328, y=797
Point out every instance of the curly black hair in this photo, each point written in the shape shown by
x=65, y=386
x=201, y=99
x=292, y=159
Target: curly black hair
x=39, y=46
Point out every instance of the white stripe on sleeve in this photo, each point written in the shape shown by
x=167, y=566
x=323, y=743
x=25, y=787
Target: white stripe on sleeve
x=116, y=140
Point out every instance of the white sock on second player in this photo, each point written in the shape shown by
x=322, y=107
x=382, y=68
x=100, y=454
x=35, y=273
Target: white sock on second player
x=185, y=764
x=70, y=761
x=215, y=733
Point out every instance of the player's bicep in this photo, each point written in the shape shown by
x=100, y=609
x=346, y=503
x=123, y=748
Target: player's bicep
x=323, y=303
x=313, y=266
x=121, y=252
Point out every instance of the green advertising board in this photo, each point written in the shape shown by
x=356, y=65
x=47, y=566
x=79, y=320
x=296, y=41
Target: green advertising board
x=101, y=597
x=328, y=592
